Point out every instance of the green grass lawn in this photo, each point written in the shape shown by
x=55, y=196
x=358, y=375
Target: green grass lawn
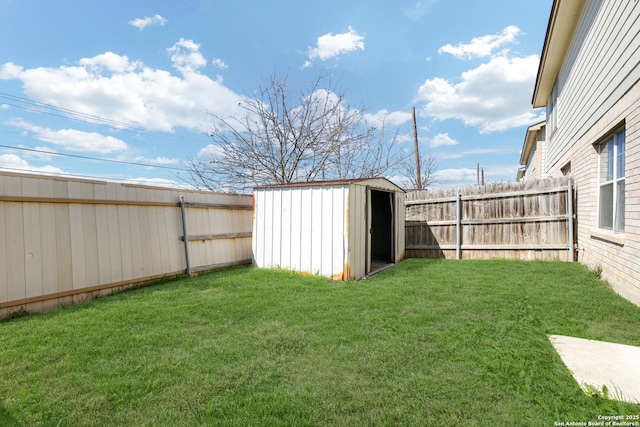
x=424, y=343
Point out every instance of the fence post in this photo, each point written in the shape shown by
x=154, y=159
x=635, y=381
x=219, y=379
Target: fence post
x=185, y=236
x=570, y=218
x=458, y=226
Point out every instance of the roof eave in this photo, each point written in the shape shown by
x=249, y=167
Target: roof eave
x=326, y=183
x=529, y=141
x=562, y=24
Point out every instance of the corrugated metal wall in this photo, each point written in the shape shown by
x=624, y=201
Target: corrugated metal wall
x=357, y=253
x=320, y=229
x=302, y=229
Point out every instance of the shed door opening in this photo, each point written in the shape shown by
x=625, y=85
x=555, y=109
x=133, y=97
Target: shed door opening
x=382, y=222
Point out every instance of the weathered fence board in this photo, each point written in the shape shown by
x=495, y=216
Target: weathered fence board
x=528, y=220
x=65, y=240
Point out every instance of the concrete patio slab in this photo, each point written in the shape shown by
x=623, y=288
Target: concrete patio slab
x=597, y=363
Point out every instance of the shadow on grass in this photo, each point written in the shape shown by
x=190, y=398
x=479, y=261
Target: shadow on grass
x=7, y=419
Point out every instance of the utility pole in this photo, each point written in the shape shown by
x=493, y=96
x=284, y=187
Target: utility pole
x=479, y=174
x=417, y=151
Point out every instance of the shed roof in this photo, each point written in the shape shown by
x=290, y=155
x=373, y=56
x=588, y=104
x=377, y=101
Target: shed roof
x=331, y=183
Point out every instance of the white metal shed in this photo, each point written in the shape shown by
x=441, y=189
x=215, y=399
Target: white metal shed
x=344, y=230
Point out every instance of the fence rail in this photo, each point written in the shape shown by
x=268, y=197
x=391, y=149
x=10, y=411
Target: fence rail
x=531, y=220
x=66, y=240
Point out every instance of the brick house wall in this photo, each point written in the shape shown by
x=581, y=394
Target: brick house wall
x=617, y=254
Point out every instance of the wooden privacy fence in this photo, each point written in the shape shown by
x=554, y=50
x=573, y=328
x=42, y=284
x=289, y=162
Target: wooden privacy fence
x=530, y=220
x=66, y=240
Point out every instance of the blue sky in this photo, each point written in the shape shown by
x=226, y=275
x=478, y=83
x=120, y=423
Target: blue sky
x=132, y=81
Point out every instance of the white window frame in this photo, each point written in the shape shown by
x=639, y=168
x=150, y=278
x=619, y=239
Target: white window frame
x=614, y=176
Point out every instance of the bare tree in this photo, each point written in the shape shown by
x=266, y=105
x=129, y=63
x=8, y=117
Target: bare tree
x=280, y=138
x=428, y=169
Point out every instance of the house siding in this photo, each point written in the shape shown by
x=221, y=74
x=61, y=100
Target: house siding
x=602, y=63
x=531, y=171
x=542, y=156
x=534, y=167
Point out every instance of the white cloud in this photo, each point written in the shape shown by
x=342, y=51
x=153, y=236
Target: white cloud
x=456, y=178
x=494, y=174
x=142, y=23
x=405, y=137
x=13, y=162
x=4, y=106
x=160, y=182
x=210, y=151
x=186, y=56
x=495, y=96
x=42, y=155
x=113, y=87
x=111, y=62
x=419, y=9
x=10, y=71
x=464, y=177
x=322, y=96
x=74, y=140
x=331, y=45
x=442, y=139
x=478, y=151
x=220, y=64
x=484, y=46
x=445, y=179
x=157, y=161
x=383, y=117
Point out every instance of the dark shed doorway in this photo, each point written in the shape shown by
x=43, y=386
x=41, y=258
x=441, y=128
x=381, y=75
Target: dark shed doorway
x=382, y=225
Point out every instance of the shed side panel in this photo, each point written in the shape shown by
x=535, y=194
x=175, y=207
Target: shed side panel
x=259, y=232
x=274, y=222
x=326, y=226
x=306, y=237
x=338, y=261
x=357, y=250
x=285, y=228
x=399, y=226
x=295, y=230
x=333, y=229
x=317, y=212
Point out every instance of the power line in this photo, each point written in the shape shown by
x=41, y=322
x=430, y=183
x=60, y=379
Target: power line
x=68, y=113
x=93, y=177
x=77, y=156
x=201, y=14
x=79, y=116
x=43, y=108
x=189, y=6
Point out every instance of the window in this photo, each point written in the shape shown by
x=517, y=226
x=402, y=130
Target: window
x=611, y=183
x=552, y=110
